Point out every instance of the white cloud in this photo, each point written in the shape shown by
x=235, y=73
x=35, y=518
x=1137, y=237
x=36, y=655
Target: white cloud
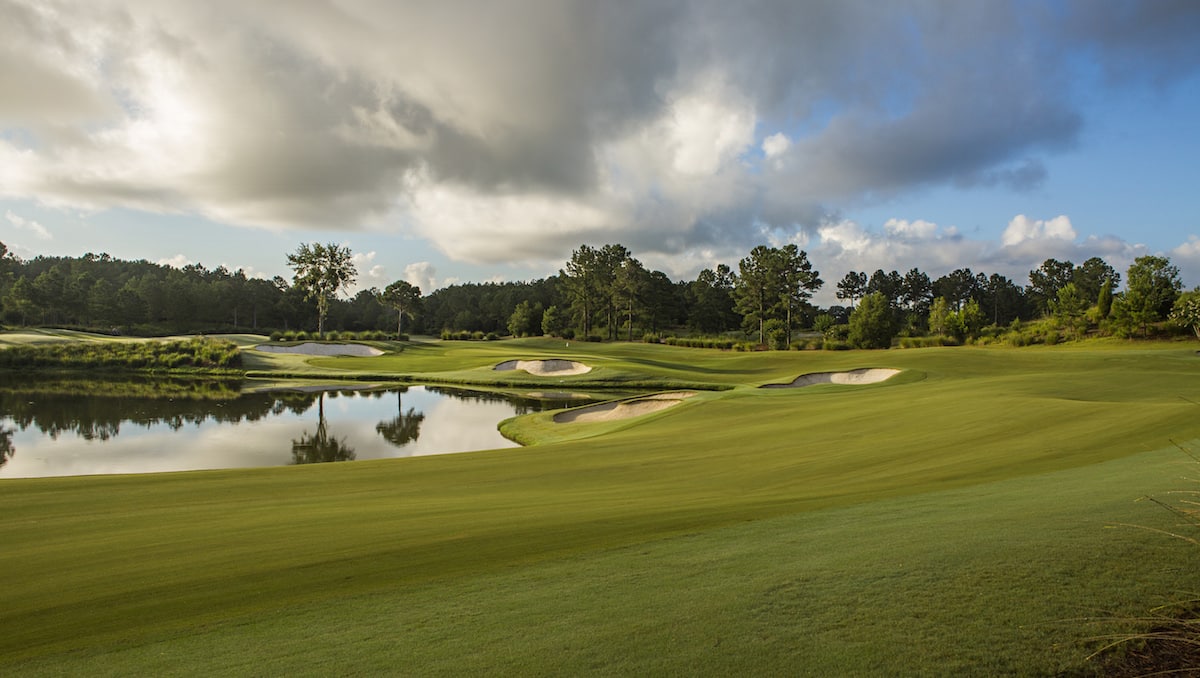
x=30, y=225
x=177, y=261
x=422, y=274
x=478, y=227
x=370, y=274
x=1023, y=229
x=775, y=145
x=904, y=229
x=1187, y=257
x=707, y=129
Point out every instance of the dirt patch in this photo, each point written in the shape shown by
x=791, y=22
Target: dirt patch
x=310, y=348
x=622, y=409
x=545, y=368
x=850, y=378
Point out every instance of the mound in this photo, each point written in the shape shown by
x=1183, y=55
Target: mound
x=853, y=377
x=622, y=409
x=545, y=368
x=357, y=350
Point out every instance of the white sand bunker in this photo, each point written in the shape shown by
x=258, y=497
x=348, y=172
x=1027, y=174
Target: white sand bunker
x=309, y=348
x=853, y=377
x=545, y=368
x=622, y=409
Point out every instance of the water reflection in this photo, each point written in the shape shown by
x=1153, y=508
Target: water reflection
x=404, y=427
x=320, y=447
x=6, y=444
x=123, y=427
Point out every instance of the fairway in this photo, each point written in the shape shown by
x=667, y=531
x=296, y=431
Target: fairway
x=952, y=519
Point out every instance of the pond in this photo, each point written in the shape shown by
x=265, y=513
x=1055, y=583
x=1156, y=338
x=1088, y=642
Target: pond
x=100, y=427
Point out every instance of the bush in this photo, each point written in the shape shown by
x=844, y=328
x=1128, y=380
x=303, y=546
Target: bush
x=153, y=355
x=302, y=336
x=838, y=332
x=651, y=338
x=594, y=338
x=276, y=335
x=568, y=333
x=777, y=334
x=700, y=342
x=835, y=345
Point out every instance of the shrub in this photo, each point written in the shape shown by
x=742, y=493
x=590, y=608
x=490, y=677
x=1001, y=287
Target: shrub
x=777, y=334
x=651, y=338
x=594, y=338
x=835, y=345
x=276, y=335
x=838, y=332
x=568, y=333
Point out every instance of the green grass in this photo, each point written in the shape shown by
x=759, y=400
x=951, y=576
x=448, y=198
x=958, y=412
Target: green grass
x=950, y=521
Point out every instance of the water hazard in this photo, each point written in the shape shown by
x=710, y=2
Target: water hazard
x=82, y=428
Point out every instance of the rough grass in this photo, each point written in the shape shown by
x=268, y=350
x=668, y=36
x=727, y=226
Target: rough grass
x=948, y=521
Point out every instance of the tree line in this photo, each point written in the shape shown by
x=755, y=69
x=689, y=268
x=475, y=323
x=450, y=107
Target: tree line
x=600, y=293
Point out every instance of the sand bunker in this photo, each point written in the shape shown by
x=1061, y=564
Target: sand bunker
x=853, y=377
x=309, y=348
x=622, y=409
x=545, y=368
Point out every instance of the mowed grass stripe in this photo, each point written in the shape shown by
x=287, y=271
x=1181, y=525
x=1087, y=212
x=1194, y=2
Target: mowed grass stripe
x=997, y=579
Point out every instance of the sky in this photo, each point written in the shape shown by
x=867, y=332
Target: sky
x=449, y=141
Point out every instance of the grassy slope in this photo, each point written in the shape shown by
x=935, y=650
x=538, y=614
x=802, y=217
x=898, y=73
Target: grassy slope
x=944, y=519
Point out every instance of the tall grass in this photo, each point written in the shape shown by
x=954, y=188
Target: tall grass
x=197, y=353
x=1166, y=640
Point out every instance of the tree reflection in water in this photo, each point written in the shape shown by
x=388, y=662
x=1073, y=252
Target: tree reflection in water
x=6, y=444
x=320, y=447
x=404, y=427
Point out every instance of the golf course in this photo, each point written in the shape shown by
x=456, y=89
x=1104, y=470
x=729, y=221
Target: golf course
x=933, y=511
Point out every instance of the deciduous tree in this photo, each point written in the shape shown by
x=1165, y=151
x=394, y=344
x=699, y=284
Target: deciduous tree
x=322, y=271
x=1186, y=311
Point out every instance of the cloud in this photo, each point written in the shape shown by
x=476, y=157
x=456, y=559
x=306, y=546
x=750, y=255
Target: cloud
x=776, y=144
x=513, y=132
x=422, y=274
x=30, y=225
x=1022, y=229
x=1187, y=257
x=177, y=261
x=370, y=274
